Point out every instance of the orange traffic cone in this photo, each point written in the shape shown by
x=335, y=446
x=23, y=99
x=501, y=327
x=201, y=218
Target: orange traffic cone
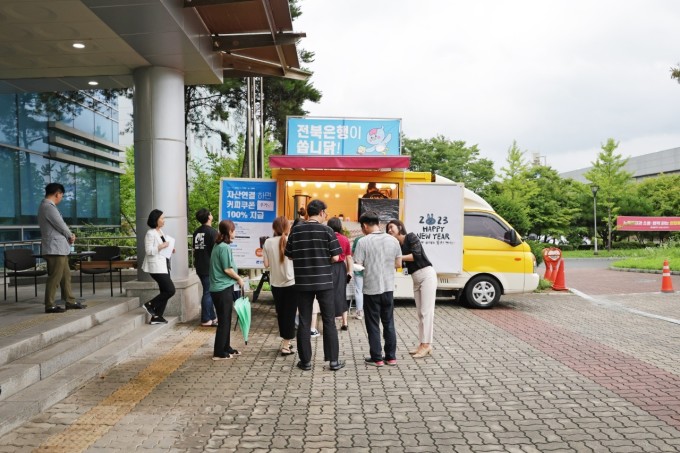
x=559, y=284
x=548, y=271
x=666, y=282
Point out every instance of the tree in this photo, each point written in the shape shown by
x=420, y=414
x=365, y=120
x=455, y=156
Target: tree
x=451, y=159
x=127, y=193
x=675, y=73
x=511, y=195
x=662, y=195
x=613, y=181
x=554, y=206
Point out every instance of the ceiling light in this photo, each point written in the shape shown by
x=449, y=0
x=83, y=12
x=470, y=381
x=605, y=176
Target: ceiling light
x=78, y=45
x=93, y=83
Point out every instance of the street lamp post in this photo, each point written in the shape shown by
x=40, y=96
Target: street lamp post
x=595, y=188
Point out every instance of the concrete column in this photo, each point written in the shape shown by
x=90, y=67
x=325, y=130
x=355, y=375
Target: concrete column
x=160, y=175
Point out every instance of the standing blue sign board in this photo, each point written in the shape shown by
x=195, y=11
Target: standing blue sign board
x=251, y=205
x=311, y=136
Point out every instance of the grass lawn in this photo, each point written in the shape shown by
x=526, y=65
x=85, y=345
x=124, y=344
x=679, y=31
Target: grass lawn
x=650, y=258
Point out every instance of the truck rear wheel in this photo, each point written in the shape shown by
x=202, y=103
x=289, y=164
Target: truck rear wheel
x=482, y=291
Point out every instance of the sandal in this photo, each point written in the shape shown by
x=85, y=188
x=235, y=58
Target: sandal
x=287, y=350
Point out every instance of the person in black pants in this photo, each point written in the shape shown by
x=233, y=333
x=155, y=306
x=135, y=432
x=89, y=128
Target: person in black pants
x=282, y=281
x=223, y=277
x=203, y=240
x=158, y=266
x=313, y=247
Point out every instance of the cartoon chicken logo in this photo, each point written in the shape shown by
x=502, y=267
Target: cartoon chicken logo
x=376, y=137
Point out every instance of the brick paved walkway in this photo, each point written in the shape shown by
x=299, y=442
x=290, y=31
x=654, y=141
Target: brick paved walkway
x=542, y=372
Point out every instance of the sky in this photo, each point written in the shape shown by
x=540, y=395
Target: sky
x=558, y=77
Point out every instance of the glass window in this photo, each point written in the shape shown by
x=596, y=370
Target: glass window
x=9, y=175
x=63, y=173
x=108, y=198
x=484, y=226
x=86, y=195
x=8, y=119
x=84, y=121
x=103, y=128
x=32, y=128
x=34, y=175
x=13, y=235
x=32, y=234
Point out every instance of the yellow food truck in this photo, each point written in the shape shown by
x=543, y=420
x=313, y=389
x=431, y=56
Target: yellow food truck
x=493, y=259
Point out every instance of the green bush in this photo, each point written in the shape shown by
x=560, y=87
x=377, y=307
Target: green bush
x=543, y=284
x=628, y=245
x=537, y=249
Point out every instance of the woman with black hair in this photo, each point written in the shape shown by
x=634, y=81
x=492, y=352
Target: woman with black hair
x=157, y=266
x=424, y=284
x=342, y=272
x=223, y=276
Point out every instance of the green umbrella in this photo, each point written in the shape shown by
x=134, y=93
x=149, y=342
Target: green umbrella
x=242, y=309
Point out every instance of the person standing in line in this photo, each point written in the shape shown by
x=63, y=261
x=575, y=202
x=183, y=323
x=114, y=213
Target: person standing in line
x=158, y=266
x=342, y=272
x=380, y=255
x=203, y=241
x=282, y=281
x=358, y=284
x=56, y=241
x=313, y=247
x=424, y=284
x=223, y=276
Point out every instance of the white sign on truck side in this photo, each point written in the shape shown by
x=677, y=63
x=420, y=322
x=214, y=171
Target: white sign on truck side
x=434, y=213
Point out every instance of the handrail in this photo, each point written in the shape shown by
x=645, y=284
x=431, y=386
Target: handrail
x=88, y=243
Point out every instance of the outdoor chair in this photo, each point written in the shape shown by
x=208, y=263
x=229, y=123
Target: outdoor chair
x=103, y=261
x=21, y=263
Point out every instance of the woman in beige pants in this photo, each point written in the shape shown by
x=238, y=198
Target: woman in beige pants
x=424, y=284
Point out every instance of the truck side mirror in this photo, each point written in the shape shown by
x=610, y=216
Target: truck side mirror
x=511, y=238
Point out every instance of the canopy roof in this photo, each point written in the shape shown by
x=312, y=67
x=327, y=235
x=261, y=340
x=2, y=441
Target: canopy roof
x=204, y=39
x=340, y=162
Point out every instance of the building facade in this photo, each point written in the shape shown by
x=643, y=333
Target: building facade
x=79, y=150
x=641, y=167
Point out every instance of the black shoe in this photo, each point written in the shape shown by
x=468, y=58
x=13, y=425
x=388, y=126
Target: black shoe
x=344, y=327
x=149, y=308
x=335, y=366
x=304, y=366
x=75, y=306
x=54, y=309
x=232, y=351
x=158, y=320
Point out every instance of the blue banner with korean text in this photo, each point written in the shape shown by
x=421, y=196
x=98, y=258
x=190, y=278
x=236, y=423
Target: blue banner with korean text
x=251, y=205
x=316, y=136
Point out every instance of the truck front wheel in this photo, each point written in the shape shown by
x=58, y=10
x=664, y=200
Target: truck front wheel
x=482, y=291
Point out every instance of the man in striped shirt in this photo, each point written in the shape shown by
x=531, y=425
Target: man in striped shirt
x=379, y=254
x=312, y=246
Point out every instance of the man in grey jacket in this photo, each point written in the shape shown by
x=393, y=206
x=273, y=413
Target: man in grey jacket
x=56, y=246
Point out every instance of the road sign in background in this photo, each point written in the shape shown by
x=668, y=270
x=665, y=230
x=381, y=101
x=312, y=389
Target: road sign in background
x=251, y=205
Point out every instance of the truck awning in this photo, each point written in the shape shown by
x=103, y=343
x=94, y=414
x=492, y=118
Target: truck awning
x=341, y=162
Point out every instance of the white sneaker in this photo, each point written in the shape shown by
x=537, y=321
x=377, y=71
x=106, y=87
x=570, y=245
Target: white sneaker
x=360, y=315
x=315, y=333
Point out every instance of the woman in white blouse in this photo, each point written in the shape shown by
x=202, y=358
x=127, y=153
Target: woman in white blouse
x=158, y=266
